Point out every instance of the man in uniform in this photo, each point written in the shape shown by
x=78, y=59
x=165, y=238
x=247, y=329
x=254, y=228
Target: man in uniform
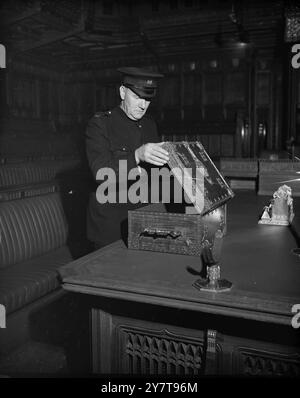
x=123, y=133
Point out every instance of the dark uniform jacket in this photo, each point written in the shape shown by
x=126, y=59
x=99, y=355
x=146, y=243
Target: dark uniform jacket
x=111, y=136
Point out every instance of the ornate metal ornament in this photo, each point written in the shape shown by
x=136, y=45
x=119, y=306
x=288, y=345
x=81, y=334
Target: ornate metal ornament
x=280, y=210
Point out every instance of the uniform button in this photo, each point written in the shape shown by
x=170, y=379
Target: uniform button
x=140, y=126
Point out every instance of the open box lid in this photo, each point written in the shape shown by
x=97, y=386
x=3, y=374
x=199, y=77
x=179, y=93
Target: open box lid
x=211, y=190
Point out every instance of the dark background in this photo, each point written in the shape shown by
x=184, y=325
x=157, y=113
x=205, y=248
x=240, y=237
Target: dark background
x=227, y=65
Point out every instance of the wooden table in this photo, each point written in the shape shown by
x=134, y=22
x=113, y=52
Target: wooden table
x=147, y=317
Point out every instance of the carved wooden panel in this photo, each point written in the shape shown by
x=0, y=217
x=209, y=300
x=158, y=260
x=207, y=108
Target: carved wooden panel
x=192, y=114
x=214, y=145
x=263, y=88
x=131, y=344
x=192, y=89
x=87, y=106
x=257, y=363
x=159, y=352
x=248, y=356
x=227, y=145
x=22, y=96
x=214, y=113
x=54, y=97
x=126, y=345
x=171, y=116
x=212, y=88
x=44, y=98
x=107, y=97
x=169, y=90
x=235, y=87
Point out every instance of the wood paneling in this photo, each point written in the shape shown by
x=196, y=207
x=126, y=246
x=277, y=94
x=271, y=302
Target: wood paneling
x=192, y=89
x=235, y=89
x=169, y=92
x=263, y=88
x=199, y=97
x=210, y=88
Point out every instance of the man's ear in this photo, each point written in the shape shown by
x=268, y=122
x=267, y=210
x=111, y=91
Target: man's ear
x=122, y=92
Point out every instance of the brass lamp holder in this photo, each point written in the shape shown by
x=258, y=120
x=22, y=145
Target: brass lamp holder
x=211, y=254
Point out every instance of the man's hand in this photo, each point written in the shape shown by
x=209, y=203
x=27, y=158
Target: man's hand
x=152, y=153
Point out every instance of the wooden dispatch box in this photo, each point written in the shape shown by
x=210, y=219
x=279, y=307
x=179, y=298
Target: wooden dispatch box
x=177, y=228
x=156, y=227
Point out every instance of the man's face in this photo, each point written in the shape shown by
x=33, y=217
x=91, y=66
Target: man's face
x=134, y=106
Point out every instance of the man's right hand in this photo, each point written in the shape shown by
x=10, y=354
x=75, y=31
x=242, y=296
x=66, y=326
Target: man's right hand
x=152, y=153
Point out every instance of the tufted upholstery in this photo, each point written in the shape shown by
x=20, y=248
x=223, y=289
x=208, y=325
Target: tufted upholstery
x=21, y=284
x=13, y=175
x=31, y=227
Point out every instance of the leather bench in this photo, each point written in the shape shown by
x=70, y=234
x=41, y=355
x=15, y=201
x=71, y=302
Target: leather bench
x=34, y=234
x=17, y=174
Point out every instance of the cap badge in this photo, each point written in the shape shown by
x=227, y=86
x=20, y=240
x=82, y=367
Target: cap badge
x=149, y=82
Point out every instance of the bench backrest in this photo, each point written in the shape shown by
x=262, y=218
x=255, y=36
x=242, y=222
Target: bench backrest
x=31, y=227
x=13, y=175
